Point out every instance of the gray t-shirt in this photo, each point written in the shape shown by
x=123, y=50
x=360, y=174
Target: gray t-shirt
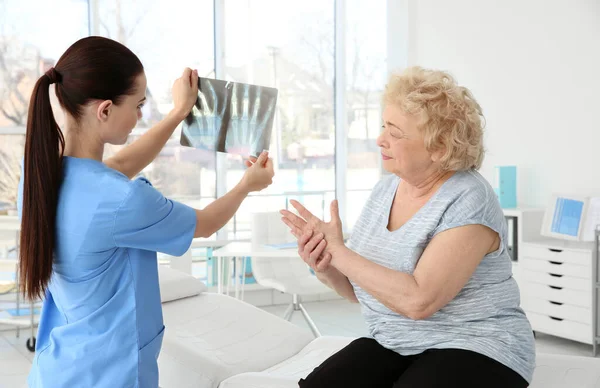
x=485, y=316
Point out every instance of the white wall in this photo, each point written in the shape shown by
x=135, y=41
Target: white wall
x=534, y=66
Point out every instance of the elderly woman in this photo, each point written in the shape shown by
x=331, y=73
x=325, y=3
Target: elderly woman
x=428, y=259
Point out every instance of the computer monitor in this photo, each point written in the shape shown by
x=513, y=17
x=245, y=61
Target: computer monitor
x=566, y=216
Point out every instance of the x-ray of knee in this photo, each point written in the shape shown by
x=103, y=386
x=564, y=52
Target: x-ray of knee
x=230, y=117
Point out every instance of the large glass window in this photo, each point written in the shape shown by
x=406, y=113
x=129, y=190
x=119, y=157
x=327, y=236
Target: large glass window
x=365, y=80
x=290, y=46
x=27, y=50
x=167, y=36
x=293, y=51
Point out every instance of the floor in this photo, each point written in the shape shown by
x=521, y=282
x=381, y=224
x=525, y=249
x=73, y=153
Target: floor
x=15, y=360
x=336, y=317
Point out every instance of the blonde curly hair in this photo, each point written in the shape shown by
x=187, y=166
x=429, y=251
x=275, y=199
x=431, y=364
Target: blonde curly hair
x=449, y=117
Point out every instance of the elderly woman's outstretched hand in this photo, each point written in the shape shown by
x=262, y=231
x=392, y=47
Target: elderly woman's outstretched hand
x=316, y=238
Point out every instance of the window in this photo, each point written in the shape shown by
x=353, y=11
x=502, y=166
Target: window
x=294, y=51
x=166, y=40
x=26, y=53
x=365, y=80
x=282, y=52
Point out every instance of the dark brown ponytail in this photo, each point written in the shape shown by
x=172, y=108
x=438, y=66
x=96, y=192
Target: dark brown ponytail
x=93, y=68
x=44, y=145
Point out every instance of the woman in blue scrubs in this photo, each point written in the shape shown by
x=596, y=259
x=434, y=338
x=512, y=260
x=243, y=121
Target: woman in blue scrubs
x=90, y=234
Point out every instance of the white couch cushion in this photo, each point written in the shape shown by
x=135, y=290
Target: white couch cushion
x=287, y=373
x=176, y=284
x=552, y=371
x=211, y=337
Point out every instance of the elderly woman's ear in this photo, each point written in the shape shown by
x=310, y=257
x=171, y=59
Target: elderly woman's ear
x=436, y=156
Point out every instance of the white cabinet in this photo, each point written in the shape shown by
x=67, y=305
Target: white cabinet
x=557, y=290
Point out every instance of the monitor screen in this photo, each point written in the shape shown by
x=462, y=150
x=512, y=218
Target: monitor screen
x=567, y=217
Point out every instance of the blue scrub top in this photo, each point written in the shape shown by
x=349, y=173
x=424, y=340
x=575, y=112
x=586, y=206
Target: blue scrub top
x=101, y=323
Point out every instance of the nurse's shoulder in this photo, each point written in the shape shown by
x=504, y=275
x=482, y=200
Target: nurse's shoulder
x=114, y=187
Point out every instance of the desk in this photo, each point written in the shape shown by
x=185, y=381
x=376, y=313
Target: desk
x=238, y=250
x=184, y=262
x=215, y=243
x=10, y=225
x=241, y=248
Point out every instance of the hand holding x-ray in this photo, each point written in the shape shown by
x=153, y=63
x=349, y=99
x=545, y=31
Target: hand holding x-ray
x=230, y=117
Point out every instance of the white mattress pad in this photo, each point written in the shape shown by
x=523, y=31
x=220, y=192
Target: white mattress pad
x=210, y=337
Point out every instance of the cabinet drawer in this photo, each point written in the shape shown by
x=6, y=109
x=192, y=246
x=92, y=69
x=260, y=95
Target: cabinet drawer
x=554, y=267
x=557, y=294
x=562, y=328
x=557, y=309
x=541, y=252
x=554, y=279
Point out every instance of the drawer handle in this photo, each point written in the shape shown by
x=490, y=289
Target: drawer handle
x=555, y=262
x=556, y=303
x=555, y=275
x=556, y=319
x=555, y=287
x=555, y=250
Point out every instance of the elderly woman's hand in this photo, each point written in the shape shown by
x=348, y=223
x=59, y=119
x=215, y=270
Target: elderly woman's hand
x=299, y=226
x=311, y=248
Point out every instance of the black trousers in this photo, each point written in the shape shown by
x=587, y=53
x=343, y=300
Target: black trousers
x=364, y=363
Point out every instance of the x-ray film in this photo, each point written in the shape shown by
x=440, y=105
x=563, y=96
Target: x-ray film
x=230, y=117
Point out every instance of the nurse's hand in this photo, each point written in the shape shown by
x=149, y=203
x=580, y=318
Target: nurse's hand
x=259, y=174
x=185, y=93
